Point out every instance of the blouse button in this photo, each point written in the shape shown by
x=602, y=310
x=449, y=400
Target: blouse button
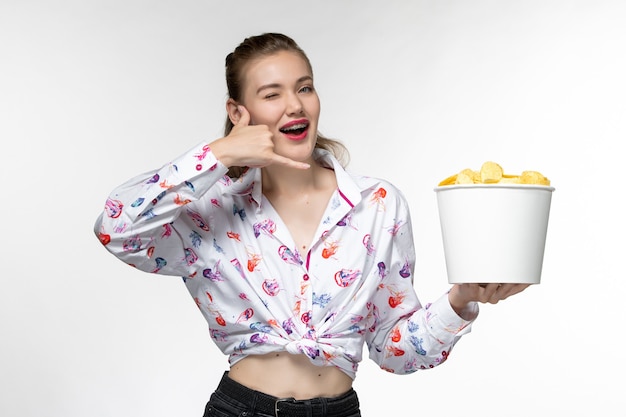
x=305, y=277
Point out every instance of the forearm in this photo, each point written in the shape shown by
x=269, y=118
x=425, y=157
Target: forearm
x=138, y=215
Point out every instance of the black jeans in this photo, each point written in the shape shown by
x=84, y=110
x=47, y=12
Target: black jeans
x=232, y=399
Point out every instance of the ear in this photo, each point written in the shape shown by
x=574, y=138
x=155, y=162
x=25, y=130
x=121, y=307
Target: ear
x=233, y=111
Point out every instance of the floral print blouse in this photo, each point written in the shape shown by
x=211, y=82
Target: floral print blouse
x=258, y=293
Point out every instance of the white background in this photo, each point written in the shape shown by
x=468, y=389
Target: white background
x=94, y=92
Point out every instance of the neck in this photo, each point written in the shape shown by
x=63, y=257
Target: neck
x=289, y=181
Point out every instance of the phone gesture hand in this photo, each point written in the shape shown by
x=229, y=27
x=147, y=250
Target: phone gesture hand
x=253, y=145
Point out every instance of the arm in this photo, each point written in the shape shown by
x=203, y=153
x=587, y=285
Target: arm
x=138, y=221
x=151, y=222
x=408, y=336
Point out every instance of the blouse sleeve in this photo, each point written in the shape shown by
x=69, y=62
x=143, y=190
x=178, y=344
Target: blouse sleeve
x=139, y=221
x=407, y=336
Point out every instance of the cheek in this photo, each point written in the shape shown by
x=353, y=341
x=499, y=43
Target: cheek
x=314, y=106
x=268, y=114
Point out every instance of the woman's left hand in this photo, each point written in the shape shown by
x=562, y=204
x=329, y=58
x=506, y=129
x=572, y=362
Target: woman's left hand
x=461, y=295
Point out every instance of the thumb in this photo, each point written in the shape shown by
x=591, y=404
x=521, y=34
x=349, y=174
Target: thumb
x=244, y=119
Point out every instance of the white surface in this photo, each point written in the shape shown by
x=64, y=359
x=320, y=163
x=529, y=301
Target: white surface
x=94, y=92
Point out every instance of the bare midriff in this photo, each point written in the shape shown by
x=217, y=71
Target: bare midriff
x=285, y=375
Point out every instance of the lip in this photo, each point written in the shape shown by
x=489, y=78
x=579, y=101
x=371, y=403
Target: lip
x=296, y=137
x=295, y=122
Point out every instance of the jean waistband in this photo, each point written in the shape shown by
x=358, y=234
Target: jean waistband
x=344, y=405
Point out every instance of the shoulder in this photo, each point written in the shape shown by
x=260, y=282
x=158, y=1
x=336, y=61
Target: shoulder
x=366, y=187
x=375, y=185
x=381, y=194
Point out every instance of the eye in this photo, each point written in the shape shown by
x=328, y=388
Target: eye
x=306, y=89
x=271, y=96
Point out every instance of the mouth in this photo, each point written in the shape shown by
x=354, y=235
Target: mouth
x=295, y=130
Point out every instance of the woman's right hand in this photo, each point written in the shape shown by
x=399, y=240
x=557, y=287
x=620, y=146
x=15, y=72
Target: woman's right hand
x=250, y=146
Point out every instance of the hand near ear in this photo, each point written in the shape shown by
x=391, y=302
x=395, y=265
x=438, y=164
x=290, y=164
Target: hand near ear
x=250, y=145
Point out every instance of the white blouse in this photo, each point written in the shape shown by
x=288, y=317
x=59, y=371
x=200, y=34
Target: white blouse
x=258, y=293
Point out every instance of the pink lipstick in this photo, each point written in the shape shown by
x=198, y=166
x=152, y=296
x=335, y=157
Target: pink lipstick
x=296, y=129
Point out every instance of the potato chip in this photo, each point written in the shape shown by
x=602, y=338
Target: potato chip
x=509, y=179
x=448, y=181
x=533, y=177
x=474, y=176
x=465, y=178
x=492, y=173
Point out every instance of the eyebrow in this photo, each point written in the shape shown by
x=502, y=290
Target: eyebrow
x=277, y=85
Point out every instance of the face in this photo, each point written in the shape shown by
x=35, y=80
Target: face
x=278, y=92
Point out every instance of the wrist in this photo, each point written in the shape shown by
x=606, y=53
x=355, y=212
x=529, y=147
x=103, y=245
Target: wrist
x=461, y=306
x=220, y=153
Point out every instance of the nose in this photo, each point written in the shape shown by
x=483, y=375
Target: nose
x=294, y=105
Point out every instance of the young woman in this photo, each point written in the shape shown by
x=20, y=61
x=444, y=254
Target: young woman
x=294, y=262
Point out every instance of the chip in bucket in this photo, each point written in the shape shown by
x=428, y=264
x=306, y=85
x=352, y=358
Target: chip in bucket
x=492, y=173
x=494, y=225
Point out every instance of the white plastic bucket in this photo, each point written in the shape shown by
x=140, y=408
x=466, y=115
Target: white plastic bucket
x=494, y=232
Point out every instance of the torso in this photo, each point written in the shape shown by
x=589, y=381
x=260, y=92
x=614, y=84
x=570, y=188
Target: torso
x=282, y=374
x=285, y=375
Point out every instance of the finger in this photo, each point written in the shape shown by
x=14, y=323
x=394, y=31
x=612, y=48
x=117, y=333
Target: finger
x=508, y=290
x=278, y=159
x=244, y=118
x=489, y=293
x=491, y=287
